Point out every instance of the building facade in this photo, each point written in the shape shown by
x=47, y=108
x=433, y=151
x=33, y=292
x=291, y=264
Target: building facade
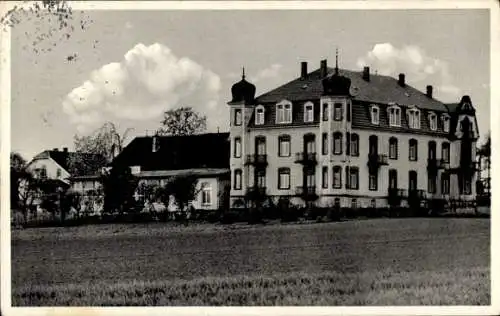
x=335, y=137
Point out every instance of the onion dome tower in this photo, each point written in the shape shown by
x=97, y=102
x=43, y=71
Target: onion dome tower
x=335, y=84
x=243, y=91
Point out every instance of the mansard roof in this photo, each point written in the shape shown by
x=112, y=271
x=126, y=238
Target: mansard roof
x=379, y=89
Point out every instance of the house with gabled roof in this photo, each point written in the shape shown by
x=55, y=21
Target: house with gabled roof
x=352, y=139
x=156, y=159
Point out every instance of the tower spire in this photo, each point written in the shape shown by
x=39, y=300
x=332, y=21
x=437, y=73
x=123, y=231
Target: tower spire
x=243, y=73
x=336, y=61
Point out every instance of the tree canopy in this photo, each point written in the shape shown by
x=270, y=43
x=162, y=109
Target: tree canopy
x=182, y=121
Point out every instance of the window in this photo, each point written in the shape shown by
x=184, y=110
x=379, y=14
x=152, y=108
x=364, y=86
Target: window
x=375, y=115
x=260, y=145
x=354, y=150
x=310, y=178
x=284, y=112
x=373, y=203
x=393, y=148
x=354, y=203
x=433, y=121
x=432, y=150
x=445, y=184
x=394, y=116
x=431, y=184
x=237, y=179
x=326, y=113
x=446, y=123
x=237, y=117
x=445, y=152
x=259, y=115
x=237, y=147
x=373, y=145
x=413, y=150
x=353, y=178
x=393, y=179
x=337, y=112
x=43, y=172
x=284, y=146
x=337, y=143
x=308, y=112
x=324, y=145
x=414, y=118
x=412, y=180
x=336, y=203
x=58, y=172
x=284, y=178
x=467, y=185
x=206, y=194
x=310, y=143
x=337, y=177
x=373, y=181
x=325, y=178
x=261, y=178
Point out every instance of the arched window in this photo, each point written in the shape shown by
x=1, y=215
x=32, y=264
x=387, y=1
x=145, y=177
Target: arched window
x=354, y=145
x=337, y=177
x=413, y=118
x=284, y=178
x=445, y=152
x=237, y=147
x=412, y=180
x=324, y=176
x=432, y=121
x=393, y=179
x=432, y=150
x=237, y=179
x=309, y=143
x=373, y=145
x=374, y=111
x=308, y=112
x=353, y=182
x=445, y=183
x=446, y=122
x=260, y=145
x=393, y=148
x=394, y=115
x=259, y=115
x=337, y=143
x=413, y=150
x=284, y=145
x=284, y=112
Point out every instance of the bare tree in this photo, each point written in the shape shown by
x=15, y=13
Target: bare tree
x=105, y=141
x=183, y=121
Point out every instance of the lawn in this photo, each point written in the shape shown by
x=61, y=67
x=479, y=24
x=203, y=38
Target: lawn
x=374, y=262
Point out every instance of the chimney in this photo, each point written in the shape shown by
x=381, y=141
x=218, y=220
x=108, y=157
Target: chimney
x=366, y=73
x=323, y=68
x=429, y=91
x=401, y=80
x=65, y=149
x=303, y=70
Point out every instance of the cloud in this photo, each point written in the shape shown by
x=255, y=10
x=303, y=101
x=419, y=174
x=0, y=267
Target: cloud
x=418, y=67
x=148, y=81
x=270, y=72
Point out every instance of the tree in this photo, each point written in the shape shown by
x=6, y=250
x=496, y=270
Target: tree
x=183, y=121
x=119, y=186
x=106, y=141
x=18, y=173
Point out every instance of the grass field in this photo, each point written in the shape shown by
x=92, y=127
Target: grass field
x=373, y=262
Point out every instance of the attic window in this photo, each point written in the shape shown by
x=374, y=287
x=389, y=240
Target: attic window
x=432, y=121
x=446, y=122
x=413, y=118
x=259, y=115
x=394, y=115
x=308, y=112
x=284, y=112
x=375, y=114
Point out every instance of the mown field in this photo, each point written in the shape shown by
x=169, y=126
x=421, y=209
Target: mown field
x=374, y=262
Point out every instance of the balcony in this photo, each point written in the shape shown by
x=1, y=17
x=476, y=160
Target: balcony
x=306, y=158
x=433, y=164
x=416, y=194
x=395, y=196
x=376, y=160
x=306, y=192
x=256, y=193
x=257, y=160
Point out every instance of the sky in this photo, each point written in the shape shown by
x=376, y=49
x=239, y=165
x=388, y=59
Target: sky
x=128, y=67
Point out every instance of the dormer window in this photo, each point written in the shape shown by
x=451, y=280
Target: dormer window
x=433, y=121
x=284, y=112
x=308, y=112
x=375, y=114
x=446, y=122
x=414, y=118
x=394, y=115
x=259, y=115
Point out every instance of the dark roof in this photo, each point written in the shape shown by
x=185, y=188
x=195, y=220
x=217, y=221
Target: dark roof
x=379, y=89
x=177, y=152
x=452, y=107
x=76, y=163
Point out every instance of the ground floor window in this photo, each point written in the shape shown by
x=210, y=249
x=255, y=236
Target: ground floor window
x=337, y=177
x=237, y=179
x=445, y=184
x=325, y=178
x=206, y=194
x=284, y=178
x=354, y=203
x=353, y=178
x=372, y=181
x=431, y=185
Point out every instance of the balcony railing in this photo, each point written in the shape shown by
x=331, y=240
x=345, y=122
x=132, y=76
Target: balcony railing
x=306, y=158
x=434, y=164
x=306, y=192
x=395, y=192
x=377, y=160
x=416, y=194
x=256, y=190
x=256, y=160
